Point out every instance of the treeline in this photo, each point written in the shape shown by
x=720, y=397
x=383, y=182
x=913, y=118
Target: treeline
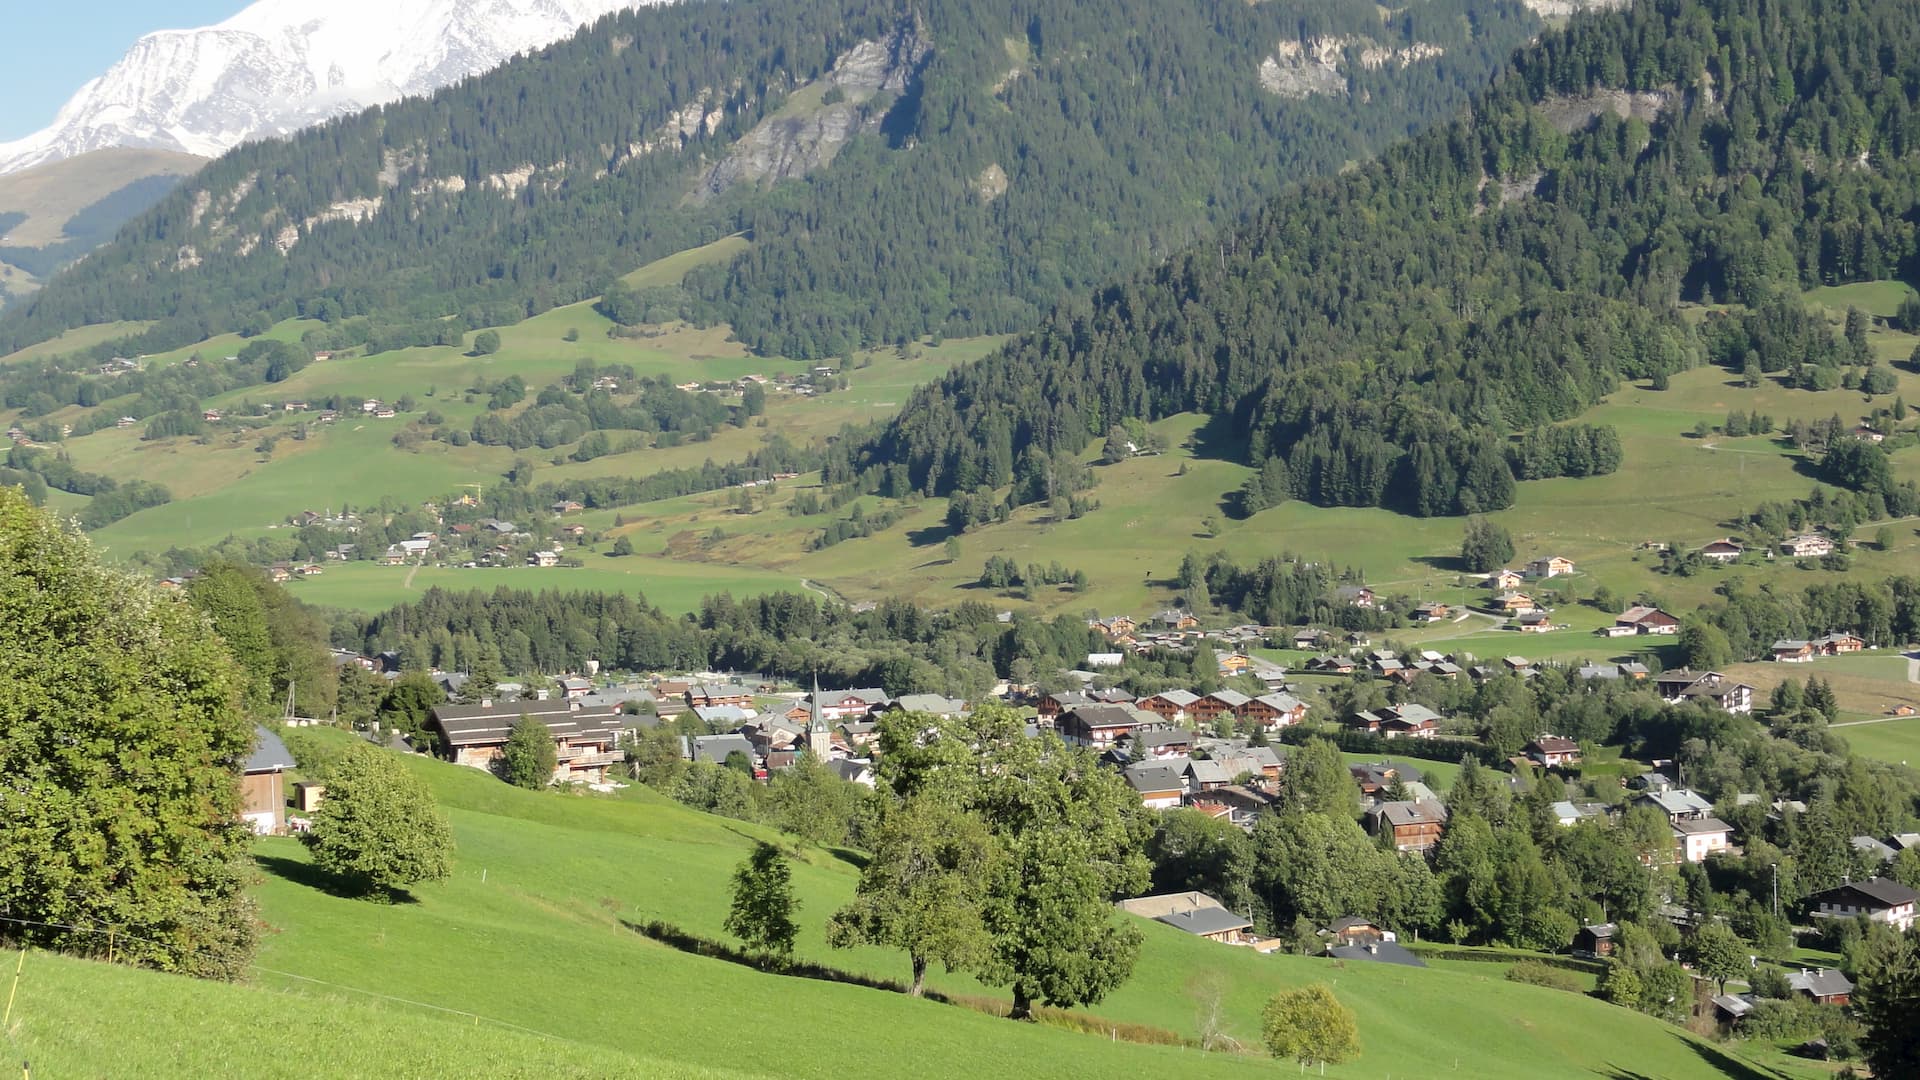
x=1123, y=130
x=36, y=389
x=1277, y=591
x=1384, y=332
x=560, y=416
x=1748, y=621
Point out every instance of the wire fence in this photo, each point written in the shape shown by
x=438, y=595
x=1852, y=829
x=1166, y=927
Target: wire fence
x=114, y=936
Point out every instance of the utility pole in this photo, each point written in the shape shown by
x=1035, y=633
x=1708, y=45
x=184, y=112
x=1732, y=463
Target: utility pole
x=1776, y=889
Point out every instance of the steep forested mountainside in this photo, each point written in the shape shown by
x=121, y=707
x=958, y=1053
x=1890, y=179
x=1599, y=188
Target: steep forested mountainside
x=955, y=168
x=1378, y=336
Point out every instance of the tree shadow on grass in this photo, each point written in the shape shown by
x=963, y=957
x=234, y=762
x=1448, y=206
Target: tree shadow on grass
x=1218, y=439
x=929, y=534
x=311, y=876
x=1727, y=1064
x=1451, y=564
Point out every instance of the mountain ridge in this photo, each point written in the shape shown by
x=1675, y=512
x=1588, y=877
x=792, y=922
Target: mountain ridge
x=281, y=65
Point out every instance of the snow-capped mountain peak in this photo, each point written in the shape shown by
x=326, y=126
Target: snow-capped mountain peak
x=281, y=65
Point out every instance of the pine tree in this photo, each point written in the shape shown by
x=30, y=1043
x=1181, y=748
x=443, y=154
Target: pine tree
x=761, y=913
x=530, y=755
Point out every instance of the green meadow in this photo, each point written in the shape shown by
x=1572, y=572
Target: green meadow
x=1672, y=487
x=528, y=942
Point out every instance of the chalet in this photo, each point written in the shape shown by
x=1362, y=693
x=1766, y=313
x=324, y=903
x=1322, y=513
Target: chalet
x=567, y=506
x=1233, y=664
x=1196, y=913
x=1105, y=659
x=1678, y=804
x=931, y=704
x=1243, y=804
x=1096, y=726
x=309, y=570
x=854, y=771
x=1680, y=686
x=1175, y=620
x=1879, y=899
x=575, y=687
x=1112, y=695
x=1553, y=751
x=1353, y=930
x=1796, y=651
x=279, y=573
x=293, y=406
x=1158, y=744
x=1354, y=596
x=837, y=705
x=1331, y=664
x=125, y=422
x=716, y=749
x=384, y=412
x=717, y=694
x=1641, y=619
x=263, y=792
x=1533, y=622
x=1824, y=985
x=1217, y=704
x=1432, y=611
x=1549, y=566
x=1271, y=675
x=1570, y=813
x=860, y=733
x=395, y=555
x=1308, y=637
x=211, y=416
x=1879, y=850
x=1807, y=546
x=1205, y=774
x=1868, y=434
x=1385, y=665
x=1259, y=762
x=544, y=558
x=1377, y=952
x=1274, y=710
x=1055, y=704
x=1413, y=826
x=1409, y=721
x=574, y=532
x=1519, y=665
x=1514, y=603
x=1161, y=786
x=1115, y=628
x=1170, y=704
x=1696, y=838
x=1595, y=942
x=610, y=384
x=1376, y=777
x=371, y=405
x=1722, y=551
x=587, y=739
x=1504, y=580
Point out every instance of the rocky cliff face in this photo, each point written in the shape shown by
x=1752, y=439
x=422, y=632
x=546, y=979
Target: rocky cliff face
x=281, y=65
x=1320, y=65
x=820, y=117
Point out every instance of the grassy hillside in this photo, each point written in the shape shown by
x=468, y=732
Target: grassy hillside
x=49, y=195
x=70, y=1019
x=528, y=937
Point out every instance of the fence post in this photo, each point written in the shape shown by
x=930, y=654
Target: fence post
x=7, y=1021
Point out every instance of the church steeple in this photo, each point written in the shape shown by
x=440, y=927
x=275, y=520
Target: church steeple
x=819, y=740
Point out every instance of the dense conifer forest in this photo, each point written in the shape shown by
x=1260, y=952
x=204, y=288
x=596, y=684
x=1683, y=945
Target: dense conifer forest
x=1378, y=337
x=1120, y=131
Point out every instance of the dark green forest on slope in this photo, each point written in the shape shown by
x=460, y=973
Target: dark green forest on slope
x=1125, y=130
x=1377, y=337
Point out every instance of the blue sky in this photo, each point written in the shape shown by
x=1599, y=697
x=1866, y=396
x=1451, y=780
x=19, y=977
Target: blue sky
x=55, y=45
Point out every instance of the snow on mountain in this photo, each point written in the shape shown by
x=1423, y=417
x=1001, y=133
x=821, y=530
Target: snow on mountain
x=281, y=65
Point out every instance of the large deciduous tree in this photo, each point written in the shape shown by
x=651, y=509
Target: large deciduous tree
x=378, y=831
x=1485, y=546
x=121, y=737
x=1073, y=834
x=923, y=889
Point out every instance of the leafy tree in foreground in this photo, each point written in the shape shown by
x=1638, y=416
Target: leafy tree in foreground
x=123, y=735
x=1073, y=834
x=529, y=758
x=763, y=905
x=1310, y=1026
x=923, y=889
x=1485, y=546
x=622, y=546
x=378, y=830
x=1887, y=1001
